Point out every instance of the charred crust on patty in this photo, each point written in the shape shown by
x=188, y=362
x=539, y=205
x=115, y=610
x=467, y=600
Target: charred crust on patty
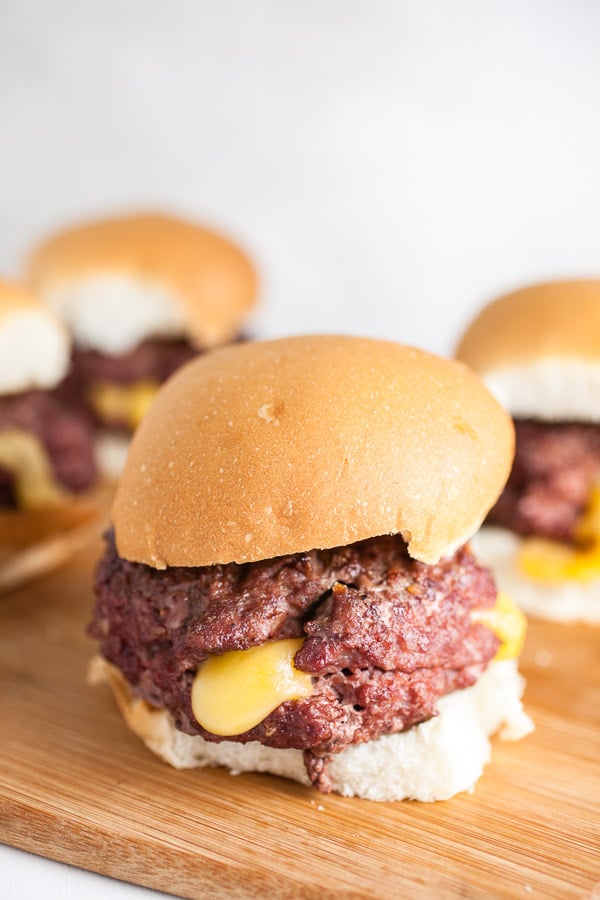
x=384, y=635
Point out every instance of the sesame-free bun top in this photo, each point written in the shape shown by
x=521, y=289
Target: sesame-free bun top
x=538, y=350
x=267, y=448
x=34, y=346
x=121, y=280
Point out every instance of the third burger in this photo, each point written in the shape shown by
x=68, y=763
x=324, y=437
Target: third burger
x=538, y=351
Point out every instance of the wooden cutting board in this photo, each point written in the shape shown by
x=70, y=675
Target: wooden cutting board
x=76, y=786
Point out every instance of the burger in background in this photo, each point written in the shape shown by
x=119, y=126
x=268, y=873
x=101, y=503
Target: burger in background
x=141, y=295
x=288, y=588
x=47, y=461
x=538, y=351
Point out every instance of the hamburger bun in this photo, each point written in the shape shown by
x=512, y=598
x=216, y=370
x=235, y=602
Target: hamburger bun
x=118, y=281
x=34, y=345
x=35, y=542
x=432, y=761
x=283, y=446
x=538, y=351
x=557, y=601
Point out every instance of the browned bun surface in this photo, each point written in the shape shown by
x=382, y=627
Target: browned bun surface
x=275, y=447
x=210, y=277
x=16, y=298
x=559, y=319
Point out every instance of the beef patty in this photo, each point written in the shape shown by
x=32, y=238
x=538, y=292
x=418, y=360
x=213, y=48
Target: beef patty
x=553, y=472
x=67, y=438
x=384, y=636
x=153, y=360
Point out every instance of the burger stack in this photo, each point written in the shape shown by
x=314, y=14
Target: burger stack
x=141, y=295
x=287, y=586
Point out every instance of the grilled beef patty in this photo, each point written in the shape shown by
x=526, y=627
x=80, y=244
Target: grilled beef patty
x=553, y=472
x=152, y=360
x=66, y=436
x=384, y=636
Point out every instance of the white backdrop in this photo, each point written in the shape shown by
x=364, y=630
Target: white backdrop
x=390, y=164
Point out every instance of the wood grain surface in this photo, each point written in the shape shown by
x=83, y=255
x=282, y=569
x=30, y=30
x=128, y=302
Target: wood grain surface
x=76, y=786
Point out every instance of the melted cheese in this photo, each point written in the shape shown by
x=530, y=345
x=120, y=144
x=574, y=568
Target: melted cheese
x=551, y=561
x=234, y=692
x=588, y=529
x=25, y=457
x=507, y=621
x=126, y=403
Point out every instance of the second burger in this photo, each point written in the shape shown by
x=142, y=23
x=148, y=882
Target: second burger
x=141, y=294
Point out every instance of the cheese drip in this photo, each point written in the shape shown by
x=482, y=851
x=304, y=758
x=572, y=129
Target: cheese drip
x=25, y=457
x=551, y=561
x=508, y=622
x=234, y=692
x=126, y=403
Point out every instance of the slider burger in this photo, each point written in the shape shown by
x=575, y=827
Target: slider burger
x=287, y=588
x=538, y=351
x=141, y=295
x=47, y=464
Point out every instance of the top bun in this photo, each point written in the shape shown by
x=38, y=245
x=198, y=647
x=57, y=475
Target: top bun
x=538, y=350
x=34, y=346
x=119, y=281
x=268, y=448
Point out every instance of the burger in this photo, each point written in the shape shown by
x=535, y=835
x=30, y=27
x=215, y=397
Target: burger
x=47, y=465
x=538, y=352
x=141, y=295
x=287, y=586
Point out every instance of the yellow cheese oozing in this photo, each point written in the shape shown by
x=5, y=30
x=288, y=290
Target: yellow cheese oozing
x=508, y=622
x=126, y=403
x=234, y=692
x=551, y=561
x=22, y=454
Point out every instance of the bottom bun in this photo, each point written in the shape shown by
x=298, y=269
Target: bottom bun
x=431, y=761
x=35, y=542
x=565, y=601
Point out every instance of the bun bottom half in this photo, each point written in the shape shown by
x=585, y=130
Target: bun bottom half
x=431, y=761
x=35, y=542
x=565, y=601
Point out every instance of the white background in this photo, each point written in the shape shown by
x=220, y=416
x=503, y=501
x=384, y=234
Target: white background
x=391, y=165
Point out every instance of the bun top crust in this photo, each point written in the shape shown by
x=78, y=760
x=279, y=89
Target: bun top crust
x=556, y=320
x=210, y=279
x=15, y=299
x=34, y=346
x=538, y=351
x=268, y=448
